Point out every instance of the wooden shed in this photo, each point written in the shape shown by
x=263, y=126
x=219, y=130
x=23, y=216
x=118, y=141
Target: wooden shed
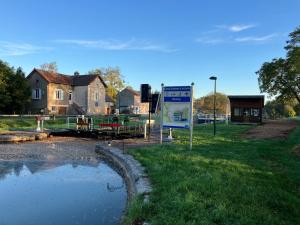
x=246, y=108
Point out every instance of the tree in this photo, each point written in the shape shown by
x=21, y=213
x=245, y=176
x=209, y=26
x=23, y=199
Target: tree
x=206, y=104
x=19, y=91
x=5, y=72
x=14, y=89
x=281, y=77
x=113, y=79
x=51, y=67
x=278, y=108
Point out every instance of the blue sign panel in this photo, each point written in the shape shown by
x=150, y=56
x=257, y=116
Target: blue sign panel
x=177, y=106
x=177, y=94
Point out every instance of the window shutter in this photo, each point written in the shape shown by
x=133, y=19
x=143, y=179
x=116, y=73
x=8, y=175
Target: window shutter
x=33, y=93
x=62, y=94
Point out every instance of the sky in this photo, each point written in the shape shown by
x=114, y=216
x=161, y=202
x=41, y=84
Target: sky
x=157, y=41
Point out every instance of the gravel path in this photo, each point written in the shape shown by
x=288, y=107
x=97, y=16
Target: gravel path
x=57, y=148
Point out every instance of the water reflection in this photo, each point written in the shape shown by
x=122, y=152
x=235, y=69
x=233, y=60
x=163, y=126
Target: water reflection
x=60, y=192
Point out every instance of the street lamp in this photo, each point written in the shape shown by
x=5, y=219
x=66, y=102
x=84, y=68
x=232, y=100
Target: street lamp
x=215, y=79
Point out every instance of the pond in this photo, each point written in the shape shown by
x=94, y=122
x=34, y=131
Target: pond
x=85, y=192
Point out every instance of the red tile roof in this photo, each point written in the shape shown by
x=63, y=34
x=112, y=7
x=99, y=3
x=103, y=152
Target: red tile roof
x=58, y=78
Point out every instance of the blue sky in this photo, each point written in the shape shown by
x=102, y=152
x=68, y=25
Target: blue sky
x=170, y=42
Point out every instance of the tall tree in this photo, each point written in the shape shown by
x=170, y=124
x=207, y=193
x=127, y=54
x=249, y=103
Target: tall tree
x=113, y=78
x=5, y=72
x=14, y=89
x=19, y=91
x=281, y=76
x=51, y=67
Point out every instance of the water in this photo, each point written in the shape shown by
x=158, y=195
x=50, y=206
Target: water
x=60, y=193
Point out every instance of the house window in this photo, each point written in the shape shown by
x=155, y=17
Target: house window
x=237, y=111
x=53, y=108
x=246, y=112
x=70, y=95
x=36, y=93
x=255, y=112
x=96, y=96
x=59, y=94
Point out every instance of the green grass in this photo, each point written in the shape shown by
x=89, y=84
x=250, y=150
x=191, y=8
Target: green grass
x=224, y=180
x=29, y=123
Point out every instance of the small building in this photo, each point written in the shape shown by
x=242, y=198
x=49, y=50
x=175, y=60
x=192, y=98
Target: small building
x=129, y=101
x=56, y=93
x=246, y=108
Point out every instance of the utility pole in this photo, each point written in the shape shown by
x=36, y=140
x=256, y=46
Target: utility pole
x=214, y=78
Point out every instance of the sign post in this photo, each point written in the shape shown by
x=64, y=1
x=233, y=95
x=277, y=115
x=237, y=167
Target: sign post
x=177, y=108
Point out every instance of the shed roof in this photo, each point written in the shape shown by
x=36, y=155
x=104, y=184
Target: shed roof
x=246, y=96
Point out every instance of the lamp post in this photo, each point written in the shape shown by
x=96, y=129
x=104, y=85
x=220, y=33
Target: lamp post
x=215, y=79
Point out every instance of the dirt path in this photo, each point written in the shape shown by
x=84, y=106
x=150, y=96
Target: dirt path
x=272, y=129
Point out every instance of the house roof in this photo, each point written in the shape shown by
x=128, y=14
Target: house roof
x=137, y=93
x=246, y=96
x=75, y=80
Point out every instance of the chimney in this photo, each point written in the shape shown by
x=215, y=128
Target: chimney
x=76, y=73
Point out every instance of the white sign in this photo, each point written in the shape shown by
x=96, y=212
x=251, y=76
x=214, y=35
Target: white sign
x=177, y=109
x=176, y=106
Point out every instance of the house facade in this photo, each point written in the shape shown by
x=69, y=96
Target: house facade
x=129, y=101
x=55, y=93
x=246, y=108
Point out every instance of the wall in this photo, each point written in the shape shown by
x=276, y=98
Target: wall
x=80, y=96
x=38, y=104
x=126, y=99
x=61, y=105
x=246, y=103
x=96, y=86
x=144, y=107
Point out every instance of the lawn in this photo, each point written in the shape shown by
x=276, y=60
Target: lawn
x=224, y=180
x=29, y=123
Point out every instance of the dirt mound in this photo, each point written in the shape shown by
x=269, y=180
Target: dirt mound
x=272, y=129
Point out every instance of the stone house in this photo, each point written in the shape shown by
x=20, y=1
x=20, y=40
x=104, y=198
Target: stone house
x=129, y=101
x=55, y=93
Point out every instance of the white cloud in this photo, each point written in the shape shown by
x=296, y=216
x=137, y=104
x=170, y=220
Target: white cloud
x=18, y=49
x=256, y=38
x=106, y=44
x=237, y=27
x=209, y=40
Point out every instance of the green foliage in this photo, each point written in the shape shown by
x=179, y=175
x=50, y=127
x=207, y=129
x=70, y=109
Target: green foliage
x=279, y=108
x=14, y=90
x=224, y=180
x=51, y=67
x=113, y=79
x=289, y=111
x=281, y=77
x=206, y=104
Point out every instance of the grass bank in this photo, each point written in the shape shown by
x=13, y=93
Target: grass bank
x=224, y=180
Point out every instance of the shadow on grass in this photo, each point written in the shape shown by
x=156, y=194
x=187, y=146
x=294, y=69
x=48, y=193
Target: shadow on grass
x=224, y=180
